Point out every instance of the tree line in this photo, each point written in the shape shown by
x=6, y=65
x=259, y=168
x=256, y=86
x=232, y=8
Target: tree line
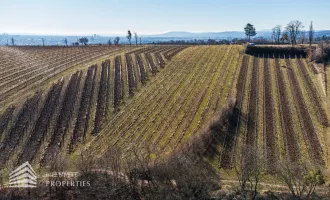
x=85, y=40
x=293, y=33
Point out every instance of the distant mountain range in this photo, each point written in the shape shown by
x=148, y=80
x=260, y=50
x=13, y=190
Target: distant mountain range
x=23, y=39
x=223, y=35
x=199, y=35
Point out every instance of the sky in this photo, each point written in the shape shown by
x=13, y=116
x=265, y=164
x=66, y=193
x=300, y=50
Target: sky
x=110, y=17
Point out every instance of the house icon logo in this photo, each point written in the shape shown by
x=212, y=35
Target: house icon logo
x=23, y=177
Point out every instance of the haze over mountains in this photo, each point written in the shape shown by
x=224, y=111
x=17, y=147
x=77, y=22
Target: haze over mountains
x=36, y=39
x=225, y=34
x=184, y=34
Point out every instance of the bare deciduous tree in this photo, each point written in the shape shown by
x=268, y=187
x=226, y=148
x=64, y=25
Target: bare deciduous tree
x=300, y=177
x=302, y=37
x=294, y=29
x=250, y=168
x=277, y=34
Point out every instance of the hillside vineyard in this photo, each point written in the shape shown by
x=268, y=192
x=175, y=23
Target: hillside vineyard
x=160, y=97
x=56, y=119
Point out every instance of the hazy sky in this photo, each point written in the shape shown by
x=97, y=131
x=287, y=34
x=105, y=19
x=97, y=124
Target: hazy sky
x=78, y=17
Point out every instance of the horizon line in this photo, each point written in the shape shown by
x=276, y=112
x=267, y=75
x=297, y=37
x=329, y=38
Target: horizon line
x=123, y=35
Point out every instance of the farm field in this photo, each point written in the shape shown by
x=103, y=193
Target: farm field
x=160, y=97
x=56, y=109
x=24, y=69
x=285, y=115
x=283, y=109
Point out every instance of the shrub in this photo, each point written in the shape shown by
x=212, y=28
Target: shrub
x=321, y=53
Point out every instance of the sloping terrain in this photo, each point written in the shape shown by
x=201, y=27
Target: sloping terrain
x=54, y=120
x=162, y=96
x=24, y=69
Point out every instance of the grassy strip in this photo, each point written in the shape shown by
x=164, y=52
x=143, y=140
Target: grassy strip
x=195, y=123
x=231, y=138
x=251, y=135
x=124, y=77
x=228, y=90
x=280, y=141
x=271, y=145
x=192, y=102
x=293, y=129
x=243, y=108
x=261, y=105
x=185, y=99
x=309, y=104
